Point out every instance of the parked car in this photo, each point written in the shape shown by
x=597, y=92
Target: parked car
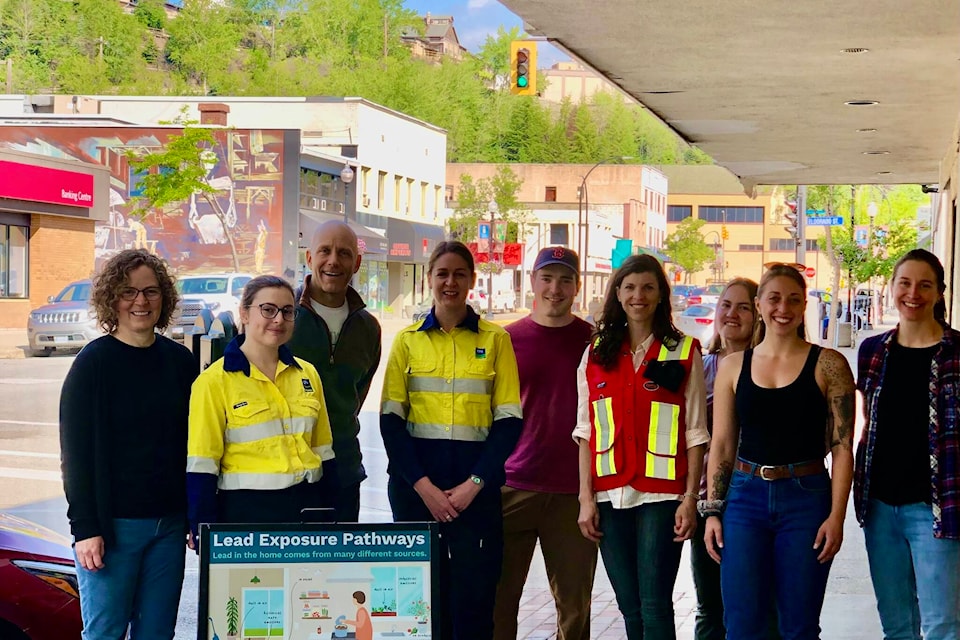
x=502, y=301
x=697, y=321
x=219, y=291
x=39, y=596
x=678, y=296
x=67, y=322
x=185, y=316
x=709, y=294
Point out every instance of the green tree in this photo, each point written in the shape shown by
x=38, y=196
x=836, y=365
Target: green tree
x=178, y=172
x=151, y=14
x=687, y=249
x=473, y=204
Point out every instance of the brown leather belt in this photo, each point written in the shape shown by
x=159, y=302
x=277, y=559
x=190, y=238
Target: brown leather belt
x=782, y=471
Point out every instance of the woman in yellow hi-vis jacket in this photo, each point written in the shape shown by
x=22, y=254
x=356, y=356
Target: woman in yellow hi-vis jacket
x=259, y=447
x=450, y=417
x=642, y=432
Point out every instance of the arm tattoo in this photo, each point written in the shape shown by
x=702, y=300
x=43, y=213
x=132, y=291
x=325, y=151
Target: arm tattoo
x=842, y=401
x=843, y=409
x=721, y=481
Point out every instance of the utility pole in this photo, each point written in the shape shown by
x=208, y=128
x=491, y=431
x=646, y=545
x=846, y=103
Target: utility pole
x=9, y=75
x=853, y=242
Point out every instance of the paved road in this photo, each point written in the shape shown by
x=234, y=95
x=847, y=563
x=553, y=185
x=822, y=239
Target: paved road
x=30, y=486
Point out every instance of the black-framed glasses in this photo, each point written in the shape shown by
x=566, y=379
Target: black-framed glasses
x=150, y=293
x=270, y=311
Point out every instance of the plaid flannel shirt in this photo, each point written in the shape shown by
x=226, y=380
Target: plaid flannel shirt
x=944, y=432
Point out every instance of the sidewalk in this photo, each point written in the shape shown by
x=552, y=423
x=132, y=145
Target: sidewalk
x=849, y=610
x=13, y=343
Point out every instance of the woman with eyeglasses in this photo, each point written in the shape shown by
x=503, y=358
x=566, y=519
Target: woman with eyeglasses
x=260, y=448
x=123, y=440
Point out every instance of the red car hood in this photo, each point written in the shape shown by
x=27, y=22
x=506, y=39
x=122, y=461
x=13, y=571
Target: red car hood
x=17, y=534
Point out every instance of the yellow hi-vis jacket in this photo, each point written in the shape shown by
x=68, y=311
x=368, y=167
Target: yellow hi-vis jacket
x=257, y=434
x=452, y=386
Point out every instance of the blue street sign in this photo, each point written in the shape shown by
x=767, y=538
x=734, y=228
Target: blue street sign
x=825, y=221
x=483, y=230
x=816, y=212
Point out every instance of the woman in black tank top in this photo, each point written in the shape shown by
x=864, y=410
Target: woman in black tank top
x=773, y=513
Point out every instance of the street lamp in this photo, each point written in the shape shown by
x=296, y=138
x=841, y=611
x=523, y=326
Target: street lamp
x=346, y=177
x=872, y=211
x=717, y=255
x=583, y=210
x=493, y=207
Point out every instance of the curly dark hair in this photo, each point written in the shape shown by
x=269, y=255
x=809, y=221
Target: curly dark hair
x=115, y=275
x=612, y=323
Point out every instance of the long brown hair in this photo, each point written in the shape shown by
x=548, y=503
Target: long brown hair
x=612, y=322
x=714, y=345
x=922, y=255
x=776, y=271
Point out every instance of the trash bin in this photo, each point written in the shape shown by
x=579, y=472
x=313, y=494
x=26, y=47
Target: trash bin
x=843, y=337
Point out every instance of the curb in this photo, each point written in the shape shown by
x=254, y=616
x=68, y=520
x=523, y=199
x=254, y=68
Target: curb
x=14, y=353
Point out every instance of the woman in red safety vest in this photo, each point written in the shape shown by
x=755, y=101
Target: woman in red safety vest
x=642, y=433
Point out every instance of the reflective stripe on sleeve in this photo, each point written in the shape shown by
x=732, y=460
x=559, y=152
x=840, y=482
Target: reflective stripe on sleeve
x=394, y=407
x=507, y=411
x=199, y=464
x=450, y=385
x=660, y=467
x=324, y=452
x=463, y=433
x=664, y=428
x=603, y=429
x=266, y=481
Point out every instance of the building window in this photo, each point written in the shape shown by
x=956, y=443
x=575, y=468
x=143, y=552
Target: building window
x=397, y=190
x=550, y=194
x=381, y=189
x=559, y=234
x=409, y=201
x=728, y=215
x=423, y=199
x=751, y=247
x=448, y=192
x=678, y=213
x=13, y=261
x=782, y=244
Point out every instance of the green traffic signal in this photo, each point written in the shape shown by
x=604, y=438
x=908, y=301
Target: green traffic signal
x=522, y=82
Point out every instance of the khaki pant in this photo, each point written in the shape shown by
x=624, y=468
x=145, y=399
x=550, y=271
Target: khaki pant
x=570, y=560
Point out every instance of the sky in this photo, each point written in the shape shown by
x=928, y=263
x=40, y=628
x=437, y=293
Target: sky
x=474, y=20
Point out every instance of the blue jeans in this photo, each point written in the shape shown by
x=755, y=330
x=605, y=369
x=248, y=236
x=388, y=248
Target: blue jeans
x=916, y=577
x=139, y=584
x=768, y=532
x=642, y=562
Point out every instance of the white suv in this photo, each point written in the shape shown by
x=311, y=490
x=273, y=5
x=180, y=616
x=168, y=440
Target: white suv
x=220, y=291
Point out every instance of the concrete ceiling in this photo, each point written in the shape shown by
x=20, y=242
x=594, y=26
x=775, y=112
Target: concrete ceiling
x=760, y=85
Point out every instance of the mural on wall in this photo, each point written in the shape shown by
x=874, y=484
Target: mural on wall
x=246, y=168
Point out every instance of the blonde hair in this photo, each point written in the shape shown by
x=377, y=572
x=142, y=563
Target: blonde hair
x=714, y=345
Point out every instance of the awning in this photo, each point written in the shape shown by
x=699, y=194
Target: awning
x=370, y=240
x=412, y=241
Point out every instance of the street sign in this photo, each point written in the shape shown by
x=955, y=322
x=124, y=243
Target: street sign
x=810, y=272
x=825, y=221
x=816, y=212
x=483, y=230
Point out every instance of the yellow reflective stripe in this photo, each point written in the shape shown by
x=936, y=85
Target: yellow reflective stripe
x=394, y=407
x=248, y=433
x=660, y=467
x=199, y=464
x=459, y=432
x=682, y=352
x=324, y=452
x=450, y=385
x=664, y=431
x=604, y=428
x=507, y=411
x=266, y=481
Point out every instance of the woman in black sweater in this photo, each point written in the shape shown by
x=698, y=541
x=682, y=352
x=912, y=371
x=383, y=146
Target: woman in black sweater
x=123, y=436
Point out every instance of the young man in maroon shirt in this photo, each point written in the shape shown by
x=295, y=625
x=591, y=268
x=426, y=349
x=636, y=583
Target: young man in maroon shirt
x=540, y=497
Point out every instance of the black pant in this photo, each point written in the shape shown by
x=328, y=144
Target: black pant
x=347, y=503
x=471, y=553
x=249, y=506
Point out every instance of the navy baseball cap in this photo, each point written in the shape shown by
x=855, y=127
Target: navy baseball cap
x=558, y=255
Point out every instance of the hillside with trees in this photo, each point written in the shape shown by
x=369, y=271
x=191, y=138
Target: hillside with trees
x=317, y=47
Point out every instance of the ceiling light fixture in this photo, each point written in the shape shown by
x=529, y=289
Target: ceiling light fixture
x=884, y=173
x=854, y=50
x=876, y=153
x=866, y=130
x=861, y=103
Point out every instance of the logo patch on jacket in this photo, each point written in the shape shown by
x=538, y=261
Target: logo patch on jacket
x=306, y=385
x=481, y=353
x=240, y=404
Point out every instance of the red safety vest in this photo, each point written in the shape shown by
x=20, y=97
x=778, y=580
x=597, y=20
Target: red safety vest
x=637, y=434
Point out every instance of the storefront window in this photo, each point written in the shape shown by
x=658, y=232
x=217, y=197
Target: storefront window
x=371, y=283
x=13, y=261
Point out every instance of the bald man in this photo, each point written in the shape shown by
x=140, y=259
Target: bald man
x=336, y=334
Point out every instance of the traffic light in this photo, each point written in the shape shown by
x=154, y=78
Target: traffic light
x=791, y=217
x=523, y=68
x=724, y=233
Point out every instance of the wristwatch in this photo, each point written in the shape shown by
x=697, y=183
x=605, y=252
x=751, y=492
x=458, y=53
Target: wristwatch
x=477, y=480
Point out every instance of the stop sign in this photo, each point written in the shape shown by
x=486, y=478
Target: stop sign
x=810, y=272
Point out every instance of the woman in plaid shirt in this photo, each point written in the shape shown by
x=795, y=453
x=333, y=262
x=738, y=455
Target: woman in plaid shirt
x=907, y=478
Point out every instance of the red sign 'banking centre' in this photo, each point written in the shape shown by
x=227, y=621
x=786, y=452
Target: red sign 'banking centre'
x=42, y=184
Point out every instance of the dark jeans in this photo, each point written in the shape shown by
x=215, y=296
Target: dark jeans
x=642, y=561
x=470, y=555
x=768, y=532
x=347, y=506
